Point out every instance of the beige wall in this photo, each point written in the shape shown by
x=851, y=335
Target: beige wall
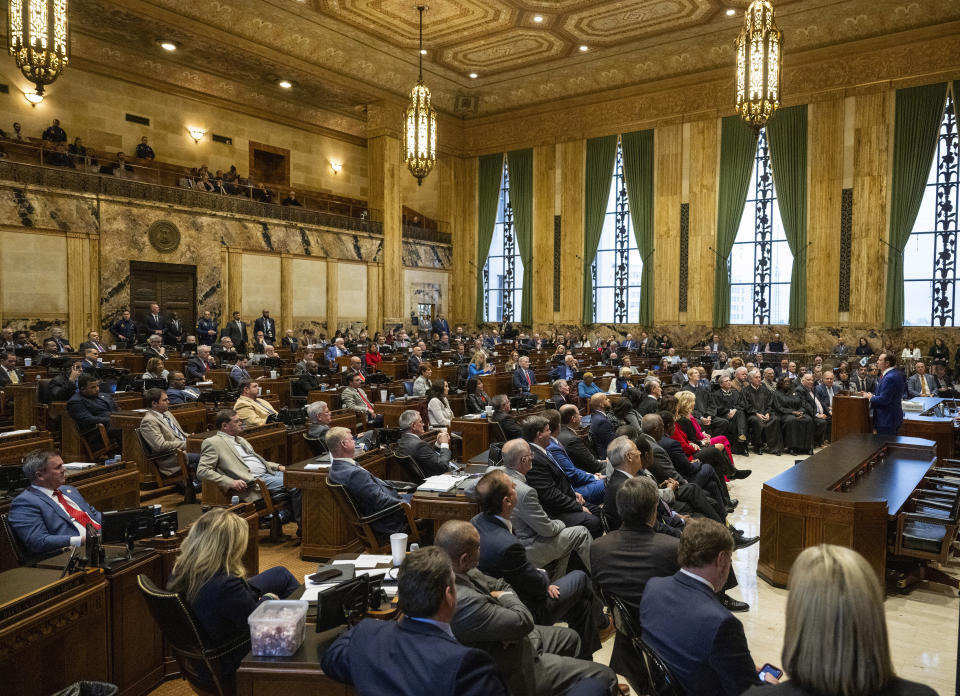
x=309, y=281
x=25, y=293
x=352, y=291
x=261, y=285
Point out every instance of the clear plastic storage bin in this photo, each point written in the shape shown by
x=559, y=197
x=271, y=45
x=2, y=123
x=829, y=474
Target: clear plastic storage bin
x=277, y=626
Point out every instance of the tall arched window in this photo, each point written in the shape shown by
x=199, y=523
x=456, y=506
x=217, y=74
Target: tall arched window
x=930, y=257
x=503, y=271
x=760, y=263
x=617, y=268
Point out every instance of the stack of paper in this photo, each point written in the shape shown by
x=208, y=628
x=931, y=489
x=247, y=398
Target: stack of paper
x=439, y=484
x=78, y=466
x=10, y=433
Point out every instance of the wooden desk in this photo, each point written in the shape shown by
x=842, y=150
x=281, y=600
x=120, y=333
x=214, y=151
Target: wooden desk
x=935, y=422
x=15, y=447
x=192, y=418
x=475, y=433
x=392, y=409
x=299, y=675
x=330, y=396
x=851, y=415
x=279, y=387
x=53, y=632
x=431, y=506
x=325, y=530
x=24, y=403
x=837, y=497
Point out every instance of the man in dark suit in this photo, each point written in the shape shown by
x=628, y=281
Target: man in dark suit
x=430, y=460
x=569, y=598
x=567, y=371
x=90, y=360
x=707, y=651
x=577, y=449
x=886, y=403
x=239, y=374
x=862, y=381
x=413, y=362
x=523, y=376
x=307, y=381
x=762, y=419
x=418, y=654
x=267, y=325
x=755, y=348
x=9, y=372
x=206, y=330
x=825, y=391
x=178, y=391
x=155, y=322
x=501, y=414
x=56, y=333
x=236, y=330
x=198, y=367
x=814, y=408
x=49, y=515
x=174, y=332
x=651, y=397
x=553, y=487
x=602, y=431
x=368, y=492
x=490, y=616
x=290, y=342
x=93, y=341
x=89, y=408
x=440, y=325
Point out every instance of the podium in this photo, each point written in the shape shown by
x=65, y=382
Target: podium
x=851, y=414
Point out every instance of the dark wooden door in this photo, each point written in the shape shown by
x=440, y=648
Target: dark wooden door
x=172, y=286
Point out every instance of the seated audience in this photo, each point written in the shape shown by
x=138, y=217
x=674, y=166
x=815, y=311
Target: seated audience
x=762, y=420
x=706, y=651
x=318, y=420
x=179, y=392
x=587, y=388
x=65, y=383
x=421, y=385
x=155, y=370
x=210, y=575
x=501, y=414
x=835, y=635
x=89, y=409
x=238, y=373
x=431, y=460
x=161, y=431
x=814, y=409
x=228, y=461
x=920, y=383
x=590, y=486
x=523, y=376
x=93, y=341
x=439, y=413
x=155, y=348
x=251, y=409
x=353, y=398
x=576, y=448
x=291, y=199
x=49, y=515
x=417, y=654
x=144, y=151
x=602, y=427
x=9, y=372
x=309, y=380
x=476, y=400
x=91, y=360
x=478, y=365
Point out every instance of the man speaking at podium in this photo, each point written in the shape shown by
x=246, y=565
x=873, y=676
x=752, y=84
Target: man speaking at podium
x=886, y=403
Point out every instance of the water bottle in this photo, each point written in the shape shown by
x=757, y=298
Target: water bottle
x=235, y=500
x=392, y=398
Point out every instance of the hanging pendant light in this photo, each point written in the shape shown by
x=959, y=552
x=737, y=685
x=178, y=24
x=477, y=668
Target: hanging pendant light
x=759, y=48
x=420, y=125
x=38, y=38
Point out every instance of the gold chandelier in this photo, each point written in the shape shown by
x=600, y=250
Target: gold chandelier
x=420, y=125
x=759, y=48
x=39, y=39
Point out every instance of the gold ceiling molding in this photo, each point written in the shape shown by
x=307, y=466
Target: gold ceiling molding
x=921, y=56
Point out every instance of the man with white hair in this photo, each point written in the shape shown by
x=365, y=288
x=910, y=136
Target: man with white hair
x=762, y=420
x=155, y=348
x=198, y=367
x=430, y=460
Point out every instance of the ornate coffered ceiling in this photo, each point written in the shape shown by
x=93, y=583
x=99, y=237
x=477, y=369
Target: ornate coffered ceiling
x=345, y=54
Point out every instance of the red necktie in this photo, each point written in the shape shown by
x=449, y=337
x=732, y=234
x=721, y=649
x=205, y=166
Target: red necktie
x=369, y=405
x=77, y=514
x=527, y=375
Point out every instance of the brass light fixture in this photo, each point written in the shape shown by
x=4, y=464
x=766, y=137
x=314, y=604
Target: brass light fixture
x=759, y=49
x=39, y=38
x=420, y=125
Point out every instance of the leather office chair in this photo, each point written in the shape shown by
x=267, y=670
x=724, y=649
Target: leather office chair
x=181, y=476
x=411, y=467
x=363, y=525
x=317, y=445
x=96, y=452
x=654, y=674
x=200, y=663
x=498, y=433
x=12, y=552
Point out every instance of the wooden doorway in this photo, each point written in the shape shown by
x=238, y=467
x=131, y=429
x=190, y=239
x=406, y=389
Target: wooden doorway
x=270, y=165
x=172, y=286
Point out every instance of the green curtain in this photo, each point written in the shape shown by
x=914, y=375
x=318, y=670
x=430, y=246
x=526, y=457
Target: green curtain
x=601, y=156
x=738, y=147
x=490, y=175
x=638, y=173
x=787, y=135
x=520, y=164
x=919, y=111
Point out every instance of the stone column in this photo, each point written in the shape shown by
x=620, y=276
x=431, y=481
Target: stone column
x=384, y=169
x=333, y=297
x=83, y=286
x=234, y=285
x=374, y=293
x=285, y=320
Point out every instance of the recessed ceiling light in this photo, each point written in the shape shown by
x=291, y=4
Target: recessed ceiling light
x=286, y=84
x=583, y=48
x=473, y=76
x=423, y=51
x=167, y=45
x=731, y=12
x=537, y=19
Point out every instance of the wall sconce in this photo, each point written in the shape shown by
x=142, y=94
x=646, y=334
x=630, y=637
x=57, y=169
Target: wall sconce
x=336, y=166
x=196, y=133
x=33, y=97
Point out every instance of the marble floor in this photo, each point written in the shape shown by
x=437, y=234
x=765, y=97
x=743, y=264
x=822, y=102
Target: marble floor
x=922, y=624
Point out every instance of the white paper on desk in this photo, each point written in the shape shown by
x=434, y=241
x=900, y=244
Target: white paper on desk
x=371, y=560
x=439, y=484
x=313, y=589
x=315, y=467
x=10, y=433
x=139, y=410
x=204, y=384
x=76, y=466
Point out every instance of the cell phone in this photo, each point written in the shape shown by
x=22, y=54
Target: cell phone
x=327, y=574
x=771, y=670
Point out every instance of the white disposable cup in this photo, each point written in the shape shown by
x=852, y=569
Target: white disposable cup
x=383, y=395
x=113, y=346
x=398, y=547
x=439, y=363
x=273, y=374
x=27, y=362
x=489, y=410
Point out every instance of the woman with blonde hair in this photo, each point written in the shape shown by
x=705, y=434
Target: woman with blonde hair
x=835, y=638
x=478, y=365
x=210, y=576
x=693, y=438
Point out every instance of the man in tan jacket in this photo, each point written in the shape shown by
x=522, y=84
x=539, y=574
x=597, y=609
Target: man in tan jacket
x=353, y=398
x=250, y=407
x=162, y=433
x=229, y=461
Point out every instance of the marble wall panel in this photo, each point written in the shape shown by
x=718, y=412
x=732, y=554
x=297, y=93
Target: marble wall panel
x=261, y=285
x=24, y=291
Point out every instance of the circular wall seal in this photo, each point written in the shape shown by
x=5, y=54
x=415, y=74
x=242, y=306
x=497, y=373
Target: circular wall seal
x=164, y=236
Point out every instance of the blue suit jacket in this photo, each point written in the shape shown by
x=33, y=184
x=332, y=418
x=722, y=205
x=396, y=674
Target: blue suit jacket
x=602, y=432
x=333, y=353
x=887, y=409
x=563, y=372
x=520, y=379
x=503, y=556
x=41, y=524
x=179, y=396
x=409, y=658
x=87, y=413
x=585, y=484
x=370, y=494
x=706, y=649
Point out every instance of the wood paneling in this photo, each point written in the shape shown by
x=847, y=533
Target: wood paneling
x=704, y=166
x=573, y=163
x=667, y=187
x=544, y=197
x=871, y=161
x=333, y=296
x=374, y=292
x=463, y=228
x=825, y=183
x=384, y=169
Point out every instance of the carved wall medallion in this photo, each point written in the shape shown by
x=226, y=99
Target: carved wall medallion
x=164, y=236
